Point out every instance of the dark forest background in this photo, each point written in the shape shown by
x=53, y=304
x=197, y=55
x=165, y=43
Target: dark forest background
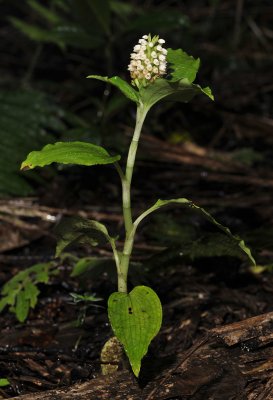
x=49, y=47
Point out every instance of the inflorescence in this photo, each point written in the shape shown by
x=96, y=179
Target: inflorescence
x=148, y=60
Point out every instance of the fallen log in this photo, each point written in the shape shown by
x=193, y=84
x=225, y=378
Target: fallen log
x=234, y=361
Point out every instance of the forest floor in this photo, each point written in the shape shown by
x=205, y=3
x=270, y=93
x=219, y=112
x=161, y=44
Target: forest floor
x=216, y=341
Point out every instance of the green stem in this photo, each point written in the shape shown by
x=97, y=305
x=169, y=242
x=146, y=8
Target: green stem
x=126, y=201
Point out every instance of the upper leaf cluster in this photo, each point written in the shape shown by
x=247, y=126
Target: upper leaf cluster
x=176, y=86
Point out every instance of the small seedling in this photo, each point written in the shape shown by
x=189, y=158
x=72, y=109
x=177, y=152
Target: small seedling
x=21, y=293
x=158, y=74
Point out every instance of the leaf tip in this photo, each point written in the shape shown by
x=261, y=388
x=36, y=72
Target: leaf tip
x=25, y=166
x=136, y=369
x=57, y=253
x=208, y=92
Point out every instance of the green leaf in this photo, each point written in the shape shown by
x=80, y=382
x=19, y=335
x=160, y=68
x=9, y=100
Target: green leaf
x=122, y=85
x=80, y=153
x=62, y=35
x=31, y=293
x=172, y=91
x=45, y=12
x=14, y=282
x=3, y=303
x=42, y=273
x=26, y=118
x=190, y=204
x=135, y=319
x=178, y=86
x=85, y=264
x=35, y=32
x=182, y=65
x=95, y=267
x=21, y=291
x=74, y=230
x=157, y=20
x=21, y=306
x=101, y=10
x=122, y=9
x=4, y=382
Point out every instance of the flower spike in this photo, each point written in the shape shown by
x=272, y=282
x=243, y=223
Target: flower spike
x=148, y=60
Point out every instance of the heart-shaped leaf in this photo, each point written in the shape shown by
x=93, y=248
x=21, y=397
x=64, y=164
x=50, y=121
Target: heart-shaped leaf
x=135, y=318
x=182, y=66
x=190, y=204
x=80, y=153
x=122, y=85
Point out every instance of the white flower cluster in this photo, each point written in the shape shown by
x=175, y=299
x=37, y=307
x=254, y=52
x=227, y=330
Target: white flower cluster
x=148, y=61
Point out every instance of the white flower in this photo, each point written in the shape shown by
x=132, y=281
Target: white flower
x=148, y=60
x=142, y=41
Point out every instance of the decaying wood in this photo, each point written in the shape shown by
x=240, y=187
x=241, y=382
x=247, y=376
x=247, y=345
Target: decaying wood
x=120, y=386
x=190, y=154
x=29, y=208
x=219, y=166
x=231, y=362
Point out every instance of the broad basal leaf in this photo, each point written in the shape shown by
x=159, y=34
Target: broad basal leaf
x=135, y=318
x=182, y=66
x=80, y=153
x=173, y=91
x=190, y=204
x=80, y=230
x=122, y=85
